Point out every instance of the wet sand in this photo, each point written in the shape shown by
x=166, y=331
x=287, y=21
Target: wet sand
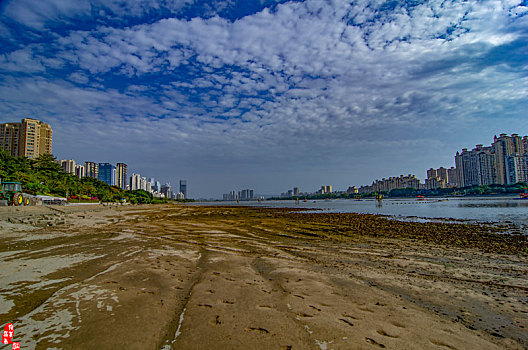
x=189, y=277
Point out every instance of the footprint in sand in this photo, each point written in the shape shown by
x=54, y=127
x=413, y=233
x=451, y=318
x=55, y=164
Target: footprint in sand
x=396, y=324
x=385, y=334
x=347, y=322
x=441, y=344
x=347, y=315
x=215, y=320
x=257, y=329
x=365, y=309
x=314, y=307
x=205, y=305
x=265, y=307
x=373, y=342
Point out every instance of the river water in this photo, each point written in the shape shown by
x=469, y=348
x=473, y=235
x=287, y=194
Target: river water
x=503, y=209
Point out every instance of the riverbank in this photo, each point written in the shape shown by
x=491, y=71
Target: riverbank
x=194, y=277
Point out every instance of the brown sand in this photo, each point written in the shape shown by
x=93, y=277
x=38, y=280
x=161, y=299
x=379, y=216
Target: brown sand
x=187, y=277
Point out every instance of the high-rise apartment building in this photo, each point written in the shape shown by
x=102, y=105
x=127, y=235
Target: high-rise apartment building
x=504, y=146
x=166, y=190
x=441, y=173
x=325, y=189
x=10, y=137
x=431, y=173
x=91, y=169
x=30, y=138
x=231, y=196
x=476, y=167
x=68, y=165
x=516, y=169
x=436, y=178
x=246, y=194
x=107, y=173
x=80, y=171
x=135, y=182
x=121, y=175
x=296, y=191
x=183, y=187
x=501, y=163
x=452, y=178
x=409, y=181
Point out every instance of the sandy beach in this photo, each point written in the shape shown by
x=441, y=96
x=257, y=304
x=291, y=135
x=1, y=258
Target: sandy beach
x=196, y=277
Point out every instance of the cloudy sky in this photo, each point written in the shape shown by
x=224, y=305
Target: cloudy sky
x=266, y=94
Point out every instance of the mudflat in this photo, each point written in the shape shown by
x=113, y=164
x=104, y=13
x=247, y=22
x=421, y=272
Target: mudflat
x=196, y=277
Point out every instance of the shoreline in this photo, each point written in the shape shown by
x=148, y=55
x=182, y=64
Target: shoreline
x=253, y=277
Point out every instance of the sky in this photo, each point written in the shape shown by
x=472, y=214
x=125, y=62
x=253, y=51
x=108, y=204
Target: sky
x=266, y=94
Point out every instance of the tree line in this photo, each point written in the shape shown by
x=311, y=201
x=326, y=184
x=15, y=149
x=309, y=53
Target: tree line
x=517, y=188
x=44, y=176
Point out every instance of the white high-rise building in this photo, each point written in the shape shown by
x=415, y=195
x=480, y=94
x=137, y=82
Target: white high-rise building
x=80, y=171
x=68, y=165
x=135, y=182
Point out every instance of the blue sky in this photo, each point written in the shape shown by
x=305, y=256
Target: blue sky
x=266, y=94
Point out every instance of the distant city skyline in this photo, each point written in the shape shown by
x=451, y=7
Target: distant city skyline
x=266, y=94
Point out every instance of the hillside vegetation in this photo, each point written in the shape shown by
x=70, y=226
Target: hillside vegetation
x=43, y=176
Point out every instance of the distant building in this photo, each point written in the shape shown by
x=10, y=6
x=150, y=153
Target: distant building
x=80, y=171
x=431, y=173
x=10, y=137
x=516, y=169
x=107, y=173
x=148, y=187
x=179, y=196
x=409, y=181
x=231, y=196
x=121, y=175
x=135, y=182
x=476, y=167
x=325, y=189
x=245, y=195
x=30, y=138
x=154, y=185
x=242, y=195
x=501, y=163
x=296, y=191
x=503, y=147
x=436, y=178
x=452, y=178
x=91, y=169
x=352, y=190
x=183, y=187
x=68, y=165
x=166, y=190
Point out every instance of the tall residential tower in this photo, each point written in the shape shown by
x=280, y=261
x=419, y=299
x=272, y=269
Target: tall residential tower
x=30, y=138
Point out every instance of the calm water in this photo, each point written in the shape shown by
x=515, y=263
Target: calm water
x=504, y=209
